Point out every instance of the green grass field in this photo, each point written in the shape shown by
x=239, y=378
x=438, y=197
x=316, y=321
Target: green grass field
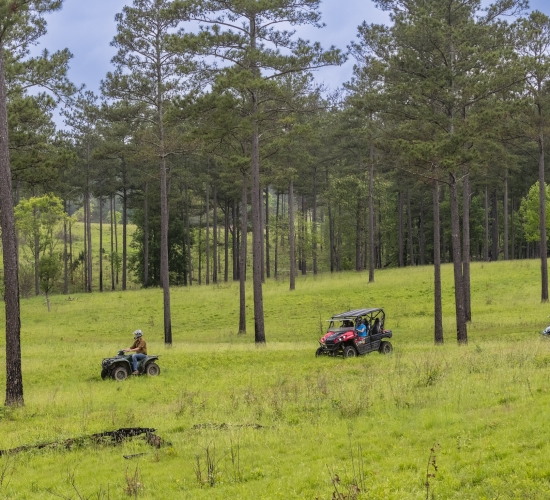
x=275, y=422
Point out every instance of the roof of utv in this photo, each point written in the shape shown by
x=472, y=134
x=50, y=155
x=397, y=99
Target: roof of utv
x=356, y=312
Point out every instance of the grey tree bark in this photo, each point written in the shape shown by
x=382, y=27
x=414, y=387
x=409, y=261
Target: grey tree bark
x=14, y=374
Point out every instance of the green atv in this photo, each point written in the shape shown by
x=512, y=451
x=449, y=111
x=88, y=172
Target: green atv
x=120, y=366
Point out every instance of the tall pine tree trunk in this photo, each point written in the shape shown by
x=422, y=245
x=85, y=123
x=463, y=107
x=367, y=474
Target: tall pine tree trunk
x=207, y=233
x=400, y=228
x=276, y=264
x=188, y=234
x=291, y=238
x=372, y=251
x=242, y=265
x=314, y=225
x=486, y=246
x=410, y=229
x=65, y=255
x=14, y=375
x=100, y=243
x=215, y=236
x=462, y=334
x=235, y=243
x=438, y=308
x=112, y=243
x=124, y=236
x=506, y=230
x=226, y=242
x=466, y=245
x=146, y=236
x=267, y=255
x=542, y=212
x=36, y=253
x=494, y=227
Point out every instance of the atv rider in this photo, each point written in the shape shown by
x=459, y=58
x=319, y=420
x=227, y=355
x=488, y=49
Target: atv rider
x=139, y=347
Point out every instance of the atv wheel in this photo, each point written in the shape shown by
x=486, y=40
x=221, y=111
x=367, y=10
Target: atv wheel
x=120, y=373
x=385, y=348
x=350, y=352
x=104, y=374
x=152, y=369
x=319, y=352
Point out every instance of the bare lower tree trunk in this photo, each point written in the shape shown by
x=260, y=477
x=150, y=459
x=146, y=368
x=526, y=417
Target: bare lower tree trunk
x=438, y=308
x=242, y=266
x=422, y=234
x=358, y=236
x=400, y=228
x=506, y=231
x=164, y=270
x=513, y=254
x=100, y=243
x=116, y=239
x=36, y=254
x=65, y=255
x=85, y=261
x=14, y=375
x=188, y=232
x=276, y=269
x=267, y=256
x=372, y=252
x=235, y=241
x=215, y=237
x=466, y=246
x=112, y=244
x=226, y=242
x=314, y=225
x=303, y=255
x=124, y=236
x=146, y=236
x=542, y=213
x=494, y=227
x=486, y=249
x=292, y=252
x=410, y=229
x=207, y=234
x=89, y=227
x=462, y=334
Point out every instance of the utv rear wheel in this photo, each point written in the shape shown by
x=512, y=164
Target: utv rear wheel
x=120, y=373
x=385, y=348
x=152, y=369
x=350, y=352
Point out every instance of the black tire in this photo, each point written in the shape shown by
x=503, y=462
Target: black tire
x=349, y=352
x=120, y=373
x=152, y=369
x=104, y=374
x=319, y=352
x=385, y=348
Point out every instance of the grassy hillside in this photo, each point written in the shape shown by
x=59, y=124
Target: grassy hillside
x=276, y=422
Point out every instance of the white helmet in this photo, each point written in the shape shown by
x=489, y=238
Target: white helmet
x=137, y=334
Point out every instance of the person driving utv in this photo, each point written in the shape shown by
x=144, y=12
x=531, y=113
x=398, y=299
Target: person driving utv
x=139, y=347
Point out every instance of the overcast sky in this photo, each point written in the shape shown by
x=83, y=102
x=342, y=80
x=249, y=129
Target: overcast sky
x=86, y=28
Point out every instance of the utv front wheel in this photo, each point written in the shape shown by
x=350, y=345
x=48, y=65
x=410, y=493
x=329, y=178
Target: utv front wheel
x=319, y=352
x=104, y=374
x=385, y=348
x=120, y=373
x=350, y=352
x=152, y=369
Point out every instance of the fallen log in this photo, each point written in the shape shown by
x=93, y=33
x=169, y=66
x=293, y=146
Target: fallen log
x=108, y=437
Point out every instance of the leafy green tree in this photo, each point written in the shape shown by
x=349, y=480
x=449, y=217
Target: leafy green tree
x=38, y=220
x=50, y=270
x=530, y=212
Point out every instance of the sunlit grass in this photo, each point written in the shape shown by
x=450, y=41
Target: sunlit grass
x=279, y=421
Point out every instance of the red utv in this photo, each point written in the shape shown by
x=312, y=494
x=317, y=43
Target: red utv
x=341, y=338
